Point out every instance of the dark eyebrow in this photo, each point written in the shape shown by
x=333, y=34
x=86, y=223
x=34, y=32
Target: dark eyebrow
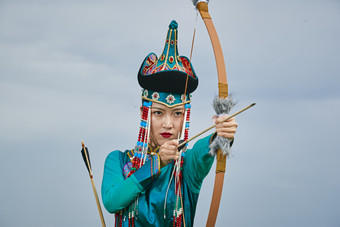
x=173, y=110
x=178, y=109
x=156, y=108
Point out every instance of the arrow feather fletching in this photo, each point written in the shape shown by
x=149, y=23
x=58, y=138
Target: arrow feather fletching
x=87, y=164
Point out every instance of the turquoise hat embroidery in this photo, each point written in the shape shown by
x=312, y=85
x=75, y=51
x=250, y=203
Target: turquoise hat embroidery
x=165, y=98
x=171, y=73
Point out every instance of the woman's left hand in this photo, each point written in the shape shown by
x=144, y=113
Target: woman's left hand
x=225, y=129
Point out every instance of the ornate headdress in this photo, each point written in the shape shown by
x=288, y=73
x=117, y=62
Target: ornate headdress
x=169, y=79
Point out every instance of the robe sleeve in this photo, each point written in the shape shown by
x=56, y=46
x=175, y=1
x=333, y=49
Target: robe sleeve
x=197, y=163
x=117, y=192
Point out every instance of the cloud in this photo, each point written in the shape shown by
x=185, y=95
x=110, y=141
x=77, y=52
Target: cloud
x=68, y=73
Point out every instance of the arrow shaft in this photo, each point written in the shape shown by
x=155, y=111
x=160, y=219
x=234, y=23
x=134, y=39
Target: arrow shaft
x=213, y=126
x=94, y=187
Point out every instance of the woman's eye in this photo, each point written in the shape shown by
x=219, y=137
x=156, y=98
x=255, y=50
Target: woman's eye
x=178, y=114
x=157, y=113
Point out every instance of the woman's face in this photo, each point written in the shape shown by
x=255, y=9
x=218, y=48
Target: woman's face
x=166, y=123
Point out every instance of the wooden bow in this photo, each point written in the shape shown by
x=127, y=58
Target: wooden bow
x=202, y=6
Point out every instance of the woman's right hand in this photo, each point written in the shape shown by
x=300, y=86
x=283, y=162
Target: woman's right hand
x=168, y=152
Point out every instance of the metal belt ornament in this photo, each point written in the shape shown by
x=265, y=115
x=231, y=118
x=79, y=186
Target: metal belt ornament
x=202, y=7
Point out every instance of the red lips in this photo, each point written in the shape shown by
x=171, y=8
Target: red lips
x=166, y=134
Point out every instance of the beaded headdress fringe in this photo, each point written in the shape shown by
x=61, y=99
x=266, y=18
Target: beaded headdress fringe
x=178, y=212
x=138, y=160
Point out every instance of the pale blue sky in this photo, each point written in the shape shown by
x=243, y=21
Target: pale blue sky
x=68, y=73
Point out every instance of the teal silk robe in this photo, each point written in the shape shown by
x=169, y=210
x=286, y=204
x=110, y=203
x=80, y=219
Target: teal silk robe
x=150, y=183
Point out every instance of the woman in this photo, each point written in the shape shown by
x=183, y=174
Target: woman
x=157, y=184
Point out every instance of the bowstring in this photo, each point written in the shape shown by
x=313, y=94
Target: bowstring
x=191, y=50
x=185, y=92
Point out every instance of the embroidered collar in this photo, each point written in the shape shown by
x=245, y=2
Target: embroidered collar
x=151, y=151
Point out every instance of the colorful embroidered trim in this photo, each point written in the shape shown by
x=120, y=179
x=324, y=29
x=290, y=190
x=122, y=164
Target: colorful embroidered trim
x=165, y=98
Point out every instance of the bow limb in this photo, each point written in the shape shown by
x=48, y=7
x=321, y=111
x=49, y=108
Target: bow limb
x=202, y=7
x=220, y=64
